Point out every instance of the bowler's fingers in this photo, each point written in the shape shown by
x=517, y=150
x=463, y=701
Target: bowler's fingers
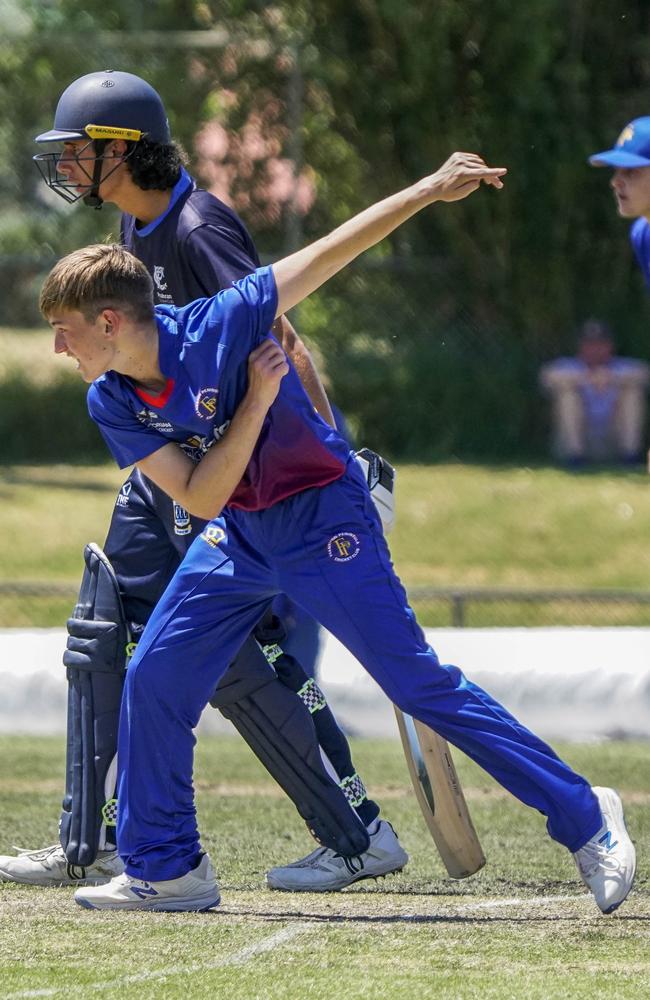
x=494, y=180
x=470, y=179
x=268, y=358
x=475, y=166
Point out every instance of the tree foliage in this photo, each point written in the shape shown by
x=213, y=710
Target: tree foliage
x=432, y=341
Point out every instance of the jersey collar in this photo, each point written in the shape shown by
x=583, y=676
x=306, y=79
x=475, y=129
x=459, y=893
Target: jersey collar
x=179, y=189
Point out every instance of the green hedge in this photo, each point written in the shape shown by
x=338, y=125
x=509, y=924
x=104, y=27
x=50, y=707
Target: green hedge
x=48, y=423
x=435, y=353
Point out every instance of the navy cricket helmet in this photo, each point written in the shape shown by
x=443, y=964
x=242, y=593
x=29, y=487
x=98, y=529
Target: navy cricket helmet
x=100, y=107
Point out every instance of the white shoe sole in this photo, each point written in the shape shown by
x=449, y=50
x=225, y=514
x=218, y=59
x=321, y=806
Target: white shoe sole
x=53, y=883
x=278, y=885
x=179, y=905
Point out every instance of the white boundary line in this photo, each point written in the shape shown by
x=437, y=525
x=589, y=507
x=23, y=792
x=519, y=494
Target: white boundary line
x=240, y=957
x=496, y=904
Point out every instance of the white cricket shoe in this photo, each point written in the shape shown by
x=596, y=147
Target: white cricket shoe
x=325, y=871
x=50, y=867
x=198, y=890
x=607, y=862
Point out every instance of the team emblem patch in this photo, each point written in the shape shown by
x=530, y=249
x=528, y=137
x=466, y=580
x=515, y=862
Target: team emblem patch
x=182, y=522
x=206, y=403
x=213, y=535
x=343, y=547
x=159, y=278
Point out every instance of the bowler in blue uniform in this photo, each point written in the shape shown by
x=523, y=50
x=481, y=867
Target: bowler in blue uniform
x=289, y=512
x=192, y=245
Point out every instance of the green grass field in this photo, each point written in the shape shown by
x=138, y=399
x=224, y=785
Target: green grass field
x=458, y=526
x=521, y=929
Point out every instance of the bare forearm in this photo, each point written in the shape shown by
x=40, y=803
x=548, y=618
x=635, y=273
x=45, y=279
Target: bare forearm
x=213, y=481
x=204, y=488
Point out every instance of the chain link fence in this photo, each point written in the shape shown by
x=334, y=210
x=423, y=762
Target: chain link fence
x=34, y=605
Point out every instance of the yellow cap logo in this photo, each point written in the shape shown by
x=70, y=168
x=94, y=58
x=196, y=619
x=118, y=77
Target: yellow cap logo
x=625, y=136
x=112, y=132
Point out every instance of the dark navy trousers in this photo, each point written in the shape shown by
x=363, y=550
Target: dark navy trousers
x=325, y=549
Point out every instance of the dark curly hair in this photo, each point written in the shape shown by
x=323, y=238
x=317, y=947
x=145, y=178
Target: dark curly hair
x=155, y=166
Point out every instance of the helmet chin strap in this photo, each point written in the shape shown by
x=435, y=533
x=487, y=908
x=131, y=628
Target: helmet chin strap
x=92, y=199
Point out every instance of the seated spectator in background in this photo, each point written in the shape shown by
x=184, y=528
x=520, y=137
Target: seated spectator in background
x=598, y=401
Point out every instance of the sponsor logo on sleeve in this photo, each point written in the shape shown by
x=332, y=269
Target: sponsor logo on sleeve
x=213, y=535
x=343, y=547
x=152, y=419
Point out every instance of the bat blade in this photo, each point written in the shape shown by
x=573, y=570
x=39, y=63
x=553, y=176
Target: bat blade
x=440, y=796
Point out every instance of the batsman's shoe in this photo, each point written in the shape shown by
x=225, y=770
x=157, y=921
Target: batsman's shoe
x=50, y=867
x=607, y=862
x=198, y=890
x=325, y=871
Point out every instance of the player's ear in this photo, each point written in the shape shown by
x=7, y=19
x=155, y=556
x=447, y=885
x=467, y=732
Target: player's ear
x=111, y=320
x=117, y=149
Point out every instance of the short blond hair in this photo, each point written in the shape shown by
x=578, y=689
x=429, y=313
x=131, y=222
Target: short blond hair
x=101, y=276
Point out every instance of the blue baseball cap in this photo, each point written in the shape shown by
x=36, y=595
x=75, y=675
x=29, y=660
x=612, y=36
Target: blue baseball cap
x=632, y=148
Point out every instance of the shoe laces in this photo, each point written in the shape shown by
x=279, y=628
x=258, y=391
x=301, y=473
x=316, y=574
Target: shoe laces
x=594, y=856
x=125, y=879
x=42, y=854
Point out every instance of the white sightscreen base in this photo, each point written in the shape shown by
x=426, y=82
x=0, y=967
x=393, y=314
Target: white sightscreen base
x=564, y=683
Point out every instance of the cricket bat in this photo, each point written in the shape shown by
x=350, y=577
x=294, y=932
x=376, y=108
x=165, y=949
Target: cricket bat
x=440, y=796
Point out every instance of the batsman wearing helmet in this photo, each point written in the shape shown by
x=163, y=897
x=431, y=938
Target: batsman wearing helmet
x=117, y=148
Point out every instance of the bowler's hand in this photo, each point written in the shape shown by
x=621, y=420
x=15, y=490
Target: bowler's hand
x=462, y=174
x=267, y=366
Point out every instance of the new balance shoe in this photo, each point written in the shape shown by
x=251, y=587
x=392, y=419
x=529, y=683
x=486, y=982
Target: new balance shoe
x=50, y=867
x=607, y=862
x=325, y=871
x=198, y=890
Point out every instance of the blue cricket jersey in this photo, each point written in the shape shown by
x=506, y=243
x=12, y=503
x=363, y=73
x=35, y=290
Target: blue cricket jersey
x=640, y=239
x=195, y=248
x=204, y=350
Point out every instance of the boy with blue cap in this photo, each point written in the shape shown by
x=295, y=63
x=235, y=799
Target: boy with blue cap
x=630, y=159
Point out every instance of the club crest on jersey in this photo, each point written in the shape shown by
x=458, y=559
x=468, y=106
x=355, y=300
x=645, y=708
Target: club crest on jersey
x=206, y=403
x=122, y=499
x=182, y=521
x=213, y=535
x=343, y=547
x=159, y=278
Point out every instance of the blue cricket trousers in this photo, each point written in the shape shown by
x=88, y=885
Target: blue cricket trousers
x=325, y=549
